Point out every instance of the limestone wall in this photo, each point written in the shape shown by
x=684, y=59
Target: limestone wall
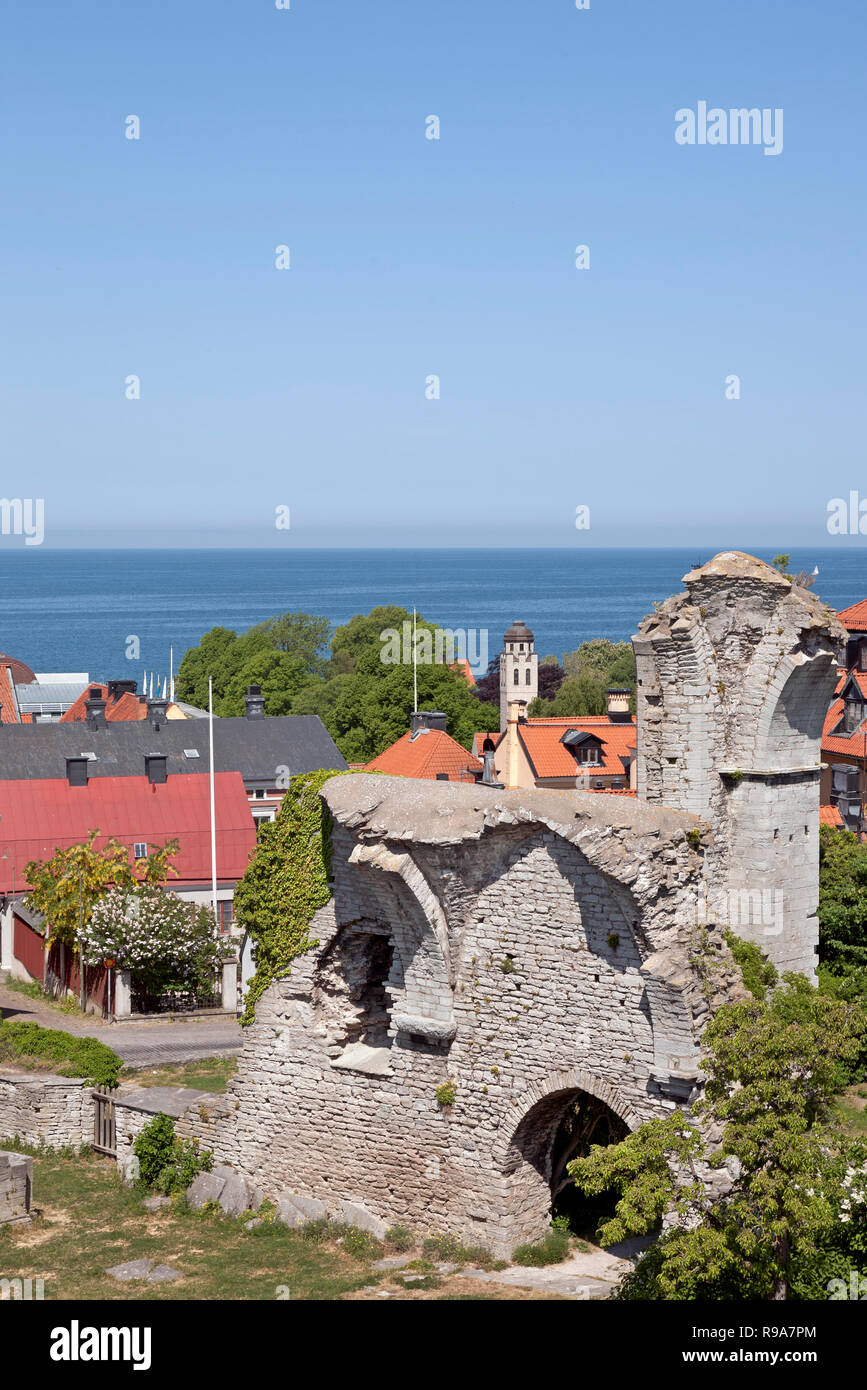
x=734, y=679
x=16, y=1186
x=41, y=1108
x=524, y=946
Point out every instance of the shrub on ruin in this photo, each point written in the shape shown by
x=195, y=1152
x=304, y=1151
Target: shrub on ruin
x=166, y=1163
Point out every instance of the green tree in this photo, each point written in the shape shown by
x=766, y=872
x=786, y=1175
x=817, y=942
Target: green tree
x=302, y=636
x=590, y=670
x=67, y=887
x=280, y=675
x=842, y=900
x=773, y=1069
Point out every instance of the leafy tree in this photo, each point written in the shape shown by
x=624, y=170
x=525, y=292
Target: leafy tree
x=487, y=687
x=165, y=942
x=280, y=675
x=67, y=887
x=773, y=1069
x=589, y=672
x=842, y=900
x=302, y=636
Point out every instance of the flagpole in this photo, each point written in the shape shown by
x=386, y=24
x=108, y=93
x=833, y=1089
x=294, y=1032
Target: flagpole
x=172, y=674
x=213, y=813
x=414, y=668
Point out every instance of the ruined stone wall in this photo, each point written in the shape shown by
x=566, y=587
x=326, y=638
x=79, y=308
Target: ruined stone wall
x=734, y=680
x=45, y=1109
x=536, y=945
x=16, y=1186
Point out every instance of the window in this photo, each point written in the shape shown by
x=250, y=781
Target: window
x=528, y=677
x=225, y=913
x=191, y=752
x=517, y=676
x=140, y=849
x=259, y=795
x=854, y=715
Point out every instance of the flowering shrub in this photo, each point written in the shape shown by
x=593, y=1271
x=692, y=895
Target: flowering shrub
x=164, y=942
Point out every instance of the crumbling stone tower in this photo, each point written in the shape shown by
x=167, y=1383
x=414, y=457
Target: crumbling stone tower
x=734, y=680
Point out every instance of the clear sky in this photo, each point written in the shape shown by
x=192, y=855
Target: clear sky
x=410, y=257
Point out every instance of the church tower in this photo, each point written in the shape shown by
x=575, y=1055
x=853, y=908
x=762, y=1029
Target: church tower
x=519, y=669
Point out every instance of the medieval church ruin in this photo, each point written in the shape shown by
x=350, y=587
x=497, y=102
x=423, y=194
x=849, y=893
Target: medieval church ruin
x=530, y=947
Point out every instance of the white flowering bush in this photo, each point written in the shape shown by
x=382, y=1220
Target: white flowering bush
x=164, y=942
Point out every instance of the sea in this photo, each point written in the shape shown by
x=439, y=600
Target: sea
x=118, y=613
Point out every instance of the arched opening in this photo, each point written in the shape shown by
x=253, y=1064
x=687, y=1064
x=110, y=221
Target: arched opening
x=586, y=1121
x=560, y=1127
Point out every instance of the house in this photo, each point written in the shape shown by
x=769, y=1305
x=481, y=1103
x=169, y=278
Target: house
x=427, y=751
x=844, y=737
x=587, y=752
x=41, y=815
x=117, y=700
x=266, y=752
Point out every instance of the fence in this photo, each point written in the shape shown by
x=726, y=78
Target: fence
x=62, y=974
x=104, y=1120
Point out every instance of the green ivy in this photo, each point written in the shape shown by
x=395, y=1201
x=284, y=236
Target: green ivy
x=166, y=1162
x=757, y=972
x=286, y=882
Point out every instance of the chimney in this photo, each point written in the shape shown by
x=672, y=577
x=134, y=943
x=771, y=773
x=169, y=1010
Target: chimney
x=517, y=710
x=427, y=719
x=124, y=687
x=157, y=713
x=76, y=771
x=94, y=708
x=254, y=703
x=155, y=767
x=489, y=776
x=618, y=697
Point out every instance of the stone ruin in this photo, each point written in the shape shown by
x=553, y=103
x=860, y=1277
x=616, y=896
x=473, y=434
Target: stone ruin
x=528, y=948
x=16, y=1187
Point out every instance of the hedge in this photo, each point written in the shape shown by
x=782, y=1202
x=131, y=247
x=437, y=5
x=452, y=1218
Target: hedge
x=69, y=1055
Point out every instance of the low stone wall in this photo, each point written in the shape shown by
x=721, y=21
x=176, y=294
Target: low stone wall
x=136, y=1109
x=41, y=1108
x=16, y=1186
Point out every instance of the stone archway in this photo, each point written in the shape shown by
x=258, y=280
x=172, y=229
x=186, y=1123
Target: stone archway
x=525, y=1156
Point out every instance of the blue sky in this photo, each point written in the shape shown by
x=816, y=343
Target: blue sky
x=412, y=257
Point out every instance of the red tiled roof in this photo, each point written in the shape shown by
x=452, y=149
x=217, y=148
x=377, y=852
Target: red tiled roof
x=855, y=617
x=424, y=755
x=466, y=670
x=21, y=673
x=856, y=744
x=479, y=742
x=129, y=706
x=8, y=703
x=46, y=814
x=830, y=815
x=550, y=757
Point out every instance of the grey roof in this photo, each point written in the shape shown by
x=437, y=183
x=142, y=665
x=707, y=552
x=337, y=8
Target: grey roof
x=35, y=693
x=256, y=748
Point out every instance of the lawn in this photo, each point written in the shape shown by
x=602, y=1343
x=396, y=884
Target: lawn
x=852, y=1109
x=88, y=1222
x=206, y=1074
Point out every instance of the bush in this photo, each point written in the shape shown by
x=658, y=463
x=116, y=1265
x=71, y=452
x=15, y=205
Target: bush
x=451, y=1250
x=70, y=1056
x=400, y=1238
x=167, y=1163
x=550, y=1250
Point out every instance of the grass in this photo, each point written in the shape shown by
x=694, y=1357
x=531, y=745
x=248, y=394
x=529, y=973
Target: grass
x=851, y=1109
x=90, y=1222
x=206, y=1074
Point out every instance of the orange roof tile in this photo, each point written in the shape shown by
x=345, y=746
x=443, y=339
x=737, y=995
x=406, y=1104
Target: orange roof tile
x=549, y=756
x=466, y=670
x=128, y=707
x=424, y=755
x=855, y=617
x=8, y=702
x=479, y=742
x=830, y=815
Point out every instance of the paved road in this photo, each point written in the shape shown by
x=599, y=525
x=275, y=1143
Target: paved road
x=139, y=1044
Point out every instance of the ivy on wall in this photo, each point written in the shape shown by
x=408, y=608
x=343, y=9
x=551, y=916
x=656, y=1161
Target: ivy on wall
x=285, y=883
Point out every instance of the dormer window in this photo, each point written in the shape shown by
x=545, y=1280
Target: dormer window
x=854, y=715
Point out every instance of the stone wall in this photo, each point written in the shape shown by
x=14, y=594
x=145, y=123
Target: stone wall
x=43, y=1109
x=16, y=1186
x=527, y=947
x=734, y=680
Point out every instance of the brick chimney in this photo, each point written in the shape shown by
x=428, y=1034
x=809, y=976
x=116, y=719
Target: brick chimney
x=254, y=703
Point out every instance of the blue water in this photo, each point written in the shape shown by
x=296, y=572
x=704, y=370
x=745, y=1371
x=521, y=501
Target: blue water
x=74, y=610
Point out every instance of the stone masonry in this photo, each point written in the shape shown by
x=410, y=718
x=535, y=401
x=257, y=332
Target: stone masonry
x=528, y=947
x=16, y=1186
x=734, y=681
